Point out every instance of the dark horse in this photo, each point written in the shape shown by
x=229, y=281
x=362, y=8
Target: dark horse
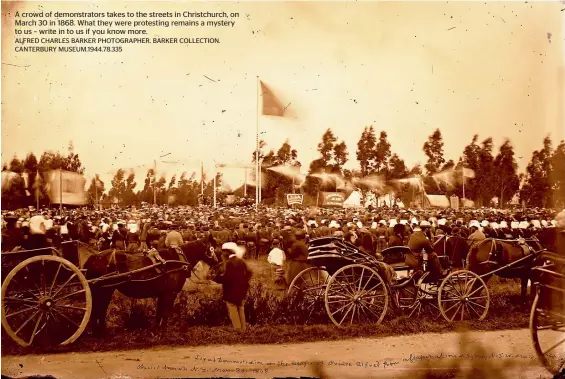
x=164, y=281
x=493, y=254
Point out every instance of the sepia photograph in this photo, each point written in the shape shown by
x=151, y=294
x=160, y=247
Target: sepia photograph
x=280, y=189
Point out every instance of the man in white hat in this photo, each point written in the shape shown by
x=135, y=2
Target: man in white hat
x=37, y=238
x=235, y=283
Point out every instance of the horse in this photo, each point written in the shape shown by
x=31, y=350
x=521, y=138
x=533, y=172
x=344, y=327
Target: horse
x=493, y=254
x=164, y=281
x=453, y=246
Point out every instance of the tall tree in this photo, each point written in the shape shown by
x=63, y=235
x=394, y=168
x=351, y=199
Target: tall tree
x=340, y=157
x=129, y=196
x=433, y=148
x=485, y=175
x=118, y=186
x=365, y=150
x=382, y=153
x=95, y=190
x=326, y=146
x=506, y=178
x=397, y=168
x=537, y=190
x=557, y=176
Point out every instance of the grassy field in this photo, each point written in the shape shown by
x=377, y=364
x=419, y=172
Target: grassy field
x=199, y=318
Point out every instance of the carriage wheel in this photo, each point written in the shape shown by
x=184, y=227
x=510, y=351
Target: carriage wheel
x=463, y=295
x=356, y=293
x=45, y=299
x=425, y=300
x=548, y=335
x=311, y=284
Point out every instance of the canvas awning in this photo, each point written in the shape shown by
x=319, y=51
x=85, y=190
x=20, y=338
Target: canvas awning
x=437, y=201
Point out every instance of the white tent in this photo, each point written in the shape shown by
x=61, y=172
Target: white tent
x=437, y=201
x=353, y=201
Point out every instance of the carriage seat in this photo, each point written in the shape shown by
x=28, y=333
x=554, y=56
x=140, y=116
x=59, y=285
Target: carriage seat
x=395, y=254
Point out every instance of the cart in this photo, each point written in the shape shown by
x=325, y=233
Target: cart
x=46, y=297
x=355, y=287
x=547, y=317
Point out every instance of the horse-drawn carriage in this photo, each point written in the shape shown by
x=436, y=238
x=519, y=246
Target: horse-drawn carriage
x=355, y=287
x=547, y=317
x=49, y=295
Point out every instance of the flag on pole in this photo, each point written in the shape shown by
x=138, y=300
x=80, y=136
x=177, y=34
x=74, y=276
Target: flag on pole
x=468, y=173
x=98, y=183
x=271, y=105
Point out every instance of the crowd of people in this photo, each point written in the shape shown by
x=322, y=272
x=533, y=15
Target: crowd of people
x=260, y=231
x=282, y=234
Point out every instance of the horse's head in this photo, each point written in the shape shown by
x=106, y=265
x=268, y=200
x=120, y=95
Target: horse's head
x=202, y=250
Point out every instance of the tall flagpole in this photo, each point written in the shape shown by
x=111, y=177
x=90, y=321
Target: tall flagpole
x=257, y=152
x=202, y=179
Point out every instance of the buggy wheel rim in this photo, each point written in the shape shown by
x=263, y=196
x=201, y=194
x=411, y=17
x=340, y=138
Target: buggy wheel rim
x=354, y=294
x=463, y=295
x=547, y=329
x=58, y=295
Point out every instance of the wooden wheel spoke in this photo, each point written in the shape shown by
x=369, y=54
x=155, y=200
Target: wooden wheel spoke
x=353, y=313
x=338, y=301
x=340, y=309
x=69, y=295
x=474, y=292
x=368, y=308
x=20, y=311
x=456, y=311
x=35, y=331
x=361, y=280
x=65, y=317
x=473, y=309
x=346, y=313
x=554, y=346
x=55, y=279
x=474, y=303
x=453, y=306
x=70, y=307
x=18, y=300
x=347, y=289
x=374, y=288
x=27, y=322
x=64, y=285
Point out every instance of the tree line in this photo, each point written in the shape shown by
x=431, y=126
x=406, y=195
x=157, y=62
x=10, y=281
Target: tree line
x=495, y=174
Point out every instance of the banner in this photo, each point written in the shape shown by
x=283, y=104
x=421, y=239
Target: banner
x=73, y=192
x=294, y=198
x=230, y=199
x=454, y=200
x=331, y=199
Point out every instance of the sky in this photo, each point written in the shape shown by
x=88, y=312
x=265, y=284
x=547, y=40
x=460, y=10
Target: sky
x=492, y=69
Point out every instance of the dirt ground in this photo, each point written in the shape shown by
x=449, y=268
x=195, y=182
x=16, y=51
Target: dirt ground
x=496, y=354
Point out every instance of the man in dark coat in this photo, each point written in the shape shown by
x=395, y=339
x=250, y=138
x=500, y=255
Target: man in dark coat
x=419, y=244
x=297, y=257
x=235, y=283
